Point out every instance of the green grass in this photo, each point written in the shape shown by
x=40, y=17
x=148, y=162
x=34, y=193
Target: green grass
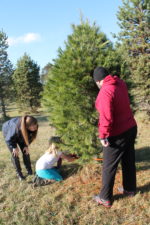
x=70, y=202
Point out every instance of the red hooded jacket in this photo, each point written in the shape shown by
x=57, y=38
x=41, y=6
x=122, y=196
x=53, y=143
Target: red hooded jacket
x=114, y=107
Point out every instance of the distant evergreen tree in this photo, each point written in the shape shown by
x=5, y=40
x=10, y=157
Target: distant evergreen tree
x=27, y=83
x=134, y=21
x=70, y=91
x=5, y=73
x=44, y=73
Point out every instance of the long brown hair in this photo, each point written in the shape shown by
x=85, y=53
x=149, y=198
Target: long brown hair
x=26, y=122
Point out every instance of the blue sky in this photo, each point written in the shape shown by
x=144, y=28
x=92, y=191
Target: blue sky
x=40, y=27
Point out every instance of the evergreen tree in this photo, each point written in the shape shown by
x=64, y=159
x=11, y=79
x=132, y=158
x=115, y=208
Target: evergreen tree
x=134, y=21
x=27, y=83
x=5, y=73
x=70, y=91
x=44, y=73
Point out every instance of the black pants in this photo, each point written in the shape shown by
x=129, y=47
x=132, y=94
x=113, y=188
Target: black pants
x=121, y=148
x=16, y=162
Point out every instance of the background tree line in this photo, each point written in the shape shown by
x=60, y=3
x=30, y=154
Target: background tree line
x=21, y=84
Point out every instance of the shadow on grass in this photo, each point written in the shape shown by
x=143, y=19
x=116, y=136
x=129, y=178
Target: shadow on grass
x=142, y=154
x=11, y=108
x=68, y=170
x=142, y=168
x=141, y=189
x=144, y=188
x=41, y=118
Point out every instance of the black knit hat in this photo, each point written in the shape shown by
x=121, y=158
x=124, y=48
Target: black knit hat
x=100, y=73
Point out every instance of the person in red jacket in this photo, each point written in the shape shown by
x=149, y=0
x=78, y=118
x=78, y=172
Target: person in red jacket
x=117, y=133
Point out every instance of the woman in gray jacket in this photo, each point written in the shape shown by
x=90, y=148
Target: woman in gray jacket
x=18, y=133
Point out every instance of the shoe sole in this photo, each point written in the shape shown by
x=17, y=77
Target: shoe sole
x=101, y=203
x=129, y=194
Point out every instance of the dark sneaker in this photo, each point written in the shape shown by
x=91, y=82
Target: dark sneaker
x=101, y=201
x=34, y=179
x=38, y=181
x=30, y=172
x=124, y=192
x=21, y=177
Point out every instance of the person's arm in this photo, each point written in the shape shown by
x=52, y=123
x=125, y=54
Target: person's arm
x=59, y=163
x=15, y=152
x=23, y=146
x=10, y=139
x=105, y=108
x=104, y=142
x=26, y=150
x=11, y=136
x=69, y=158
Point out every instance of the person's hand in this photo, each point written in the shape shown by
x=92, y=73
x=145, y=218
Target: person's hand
x=26, y=150
x=15, y=152
x=69, y=157
x=74, y=156
x=104, y=142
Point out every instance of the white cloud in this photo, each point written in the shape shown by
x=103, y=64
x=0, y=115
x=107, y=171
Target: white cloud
x=27, y=38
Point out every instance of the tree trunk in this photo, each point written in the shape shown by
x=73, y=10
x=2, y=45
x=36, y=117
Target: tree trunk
x=3, y=108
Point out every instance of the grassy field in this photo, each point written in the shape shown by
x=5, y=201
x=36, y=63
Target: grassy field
x=70, y=201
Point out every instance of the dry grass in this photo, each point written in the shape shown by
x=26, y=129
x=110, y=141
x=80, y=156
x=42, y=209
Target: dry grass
x=70, y=202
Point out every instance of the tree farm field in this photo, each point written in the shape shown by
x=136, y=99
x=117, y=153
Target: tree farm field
x=70, y=202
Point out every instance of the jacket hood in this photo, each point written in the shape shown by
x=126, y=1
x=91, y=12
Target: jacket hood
x=111, y=80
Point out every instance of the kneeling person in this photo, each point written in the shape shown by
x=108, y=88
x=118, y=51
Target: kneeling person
x=45, y=166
